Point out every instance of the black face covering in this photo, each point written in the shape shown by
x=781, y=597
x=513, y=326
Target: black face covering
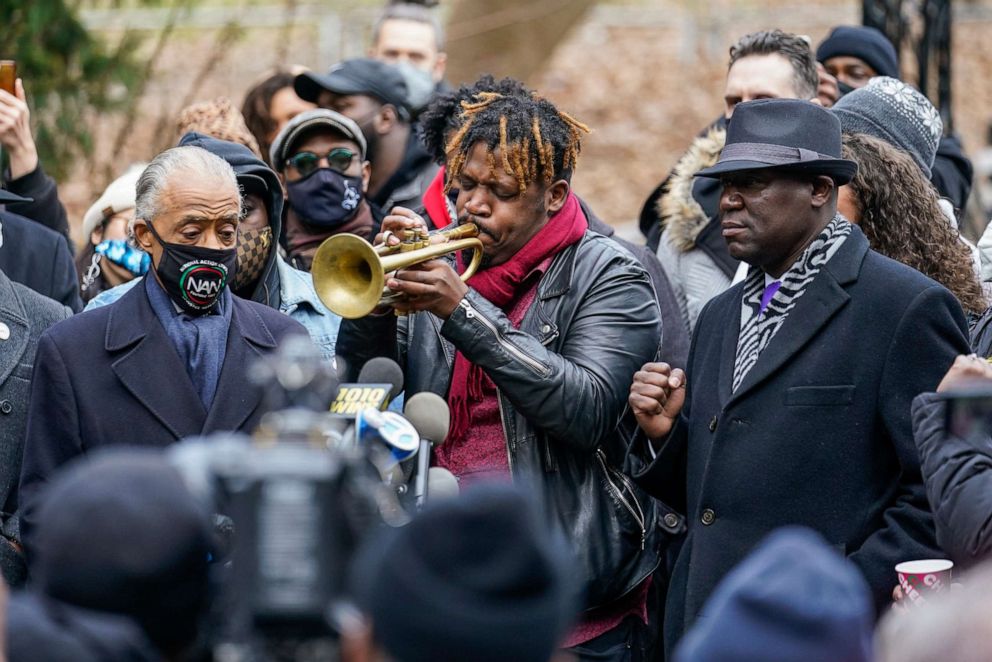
x=193, y=276
x=844, y=88
x=325, y=198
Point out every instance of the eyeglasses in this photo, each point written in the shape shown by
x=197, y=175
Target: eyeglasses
x=338, y=159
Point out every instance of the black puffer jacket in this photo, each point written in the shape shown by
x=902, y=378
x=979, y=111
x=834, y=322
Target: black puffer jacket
x=957, y=472
x=562, y=381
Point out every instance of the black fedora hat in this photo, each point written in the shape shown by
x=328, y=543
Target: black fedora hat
x=785, y=134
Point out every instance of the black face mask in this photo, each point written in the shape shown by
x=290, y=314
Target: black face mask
x=844, y=88
x=194, y=277
x=325, y=197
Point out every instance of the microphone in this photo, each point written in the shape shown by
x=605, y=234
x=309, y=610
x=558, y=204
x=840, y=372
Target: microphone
x=380, y=380
x=429, y=414
x=442, y=484
x=383, y=370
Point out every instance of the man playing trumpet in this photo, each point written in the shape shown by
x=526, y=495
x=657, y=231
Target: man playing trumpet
x=534, y=351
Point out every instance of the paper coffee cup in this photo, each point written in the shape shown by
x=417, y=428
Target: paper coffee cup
x=919, y=579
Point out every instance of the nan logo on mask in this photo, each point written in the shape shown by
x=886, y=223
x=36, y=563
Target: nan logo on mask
x=201, y=282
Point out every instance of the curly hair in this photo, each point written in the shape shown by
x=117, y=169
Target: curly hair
x=535, y=140
x=902, y=220
x=443, y=116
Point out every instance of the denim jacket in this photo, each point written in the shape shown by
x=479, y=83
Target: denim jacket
x=298, y=299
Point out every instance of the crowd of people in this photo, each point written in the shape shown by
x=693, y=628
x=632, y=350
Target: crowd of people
x=716, y=444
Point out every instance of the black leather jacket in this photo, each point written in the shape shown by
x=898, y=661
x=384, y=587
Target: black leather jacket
x=562, y=381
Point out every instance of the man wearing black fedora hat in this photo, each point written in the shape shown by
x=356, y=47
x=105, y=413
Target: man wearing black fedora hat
x=796, y=408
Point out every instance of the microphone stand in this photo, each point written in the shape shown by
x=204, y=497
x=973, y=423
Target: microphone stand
x=423, y=465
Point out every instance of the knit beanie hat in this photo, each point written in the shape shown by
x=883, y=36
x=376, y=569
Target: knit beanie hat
x=864, y=43
x=474, y=579
x=793, y=598
x=118, y=197
x=896, y=113
x=217, y=119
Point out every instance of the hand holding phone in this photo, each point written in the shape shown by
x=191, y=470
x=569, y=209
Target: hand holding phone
x=8, y=75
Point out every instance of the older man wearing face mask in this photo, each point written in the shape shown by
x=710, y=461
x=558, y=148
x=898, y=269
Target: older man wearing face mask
x=169, y=359
x=262, y=275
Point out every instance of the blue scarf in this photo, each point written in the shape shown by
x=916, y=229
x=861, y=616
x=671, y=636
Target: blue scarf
x=200, y=342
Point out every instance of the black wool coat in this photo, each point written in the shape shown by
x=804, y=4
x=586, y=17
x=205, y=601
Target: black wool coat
x=818, y=433
x=111, y=376
x=39, y=258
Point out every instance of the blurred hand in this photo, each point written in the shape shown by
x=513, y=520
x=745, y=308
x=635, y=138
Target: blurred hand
x=15, y=131
x=827, y=91
x=656, y=398
x=966, y=368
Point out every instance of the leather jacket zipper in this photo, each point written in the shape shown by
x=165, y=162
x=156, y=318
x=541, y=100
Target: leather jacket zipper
x=637, y=513
x=519, y=354
x=506, y=434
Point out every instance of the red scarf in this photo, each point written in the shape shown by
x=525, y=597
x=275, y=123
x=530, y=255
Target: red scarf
x=501, y=285
x=436, y=202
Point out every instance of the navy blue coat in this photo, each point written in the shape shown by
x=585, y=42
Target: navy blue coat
x=38, y=258
x=111, y=376
x=818, y=433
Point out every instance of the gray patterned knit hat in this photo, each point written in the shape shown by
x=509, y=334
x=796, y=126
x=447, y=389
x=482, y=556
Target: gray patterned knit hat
x=896, y=113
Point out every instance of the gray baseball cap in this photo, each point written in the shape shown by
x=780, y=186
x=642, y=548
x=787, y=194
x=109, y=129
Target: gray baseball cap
x=305, y=122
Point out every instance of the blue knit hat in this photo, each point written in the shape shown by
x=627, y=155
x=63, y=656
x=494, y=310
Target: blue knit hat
x=896, y=113
x=864, y=43
x=793, y=598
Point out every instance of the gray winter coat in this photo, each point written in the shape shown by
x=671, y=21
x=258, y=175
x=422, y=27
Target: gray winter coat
x=24, y=314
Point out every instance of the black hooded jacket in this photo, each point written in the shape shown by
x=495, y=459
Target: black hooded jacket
x=246, y=165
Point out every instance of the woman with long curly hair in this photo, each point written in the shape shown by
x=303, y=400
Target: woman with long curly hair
x=896, y=207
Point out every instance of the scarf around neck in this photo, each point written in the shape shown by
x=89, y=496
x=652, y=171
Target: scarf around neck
x=760, y=323
x=501, y=285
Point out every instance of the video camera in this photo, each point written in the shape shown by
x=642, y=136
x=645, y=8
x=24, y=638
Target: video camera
x=295, y=501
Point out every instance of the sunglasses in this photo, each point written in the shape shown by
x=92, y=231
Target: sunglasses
x=338, y=159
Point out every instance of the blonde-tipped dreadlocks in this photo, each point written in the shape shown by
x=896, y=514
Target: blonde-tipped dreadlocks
x=535, y=140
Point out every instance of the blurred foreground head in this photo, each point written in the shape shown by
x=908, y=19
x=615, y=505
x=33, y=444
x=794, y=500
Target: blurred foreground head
x=119, y=532
x=475, y=579
x=793, y=598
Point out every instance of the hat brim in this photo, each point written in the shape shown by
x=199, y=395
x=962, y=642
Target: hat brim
x=6, y=197
x=842, y=171
x=309, y=85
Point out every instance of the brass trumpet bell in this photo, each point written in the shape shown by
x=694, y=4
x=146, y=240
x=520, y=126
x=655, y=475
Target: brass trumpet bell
x=349, y=273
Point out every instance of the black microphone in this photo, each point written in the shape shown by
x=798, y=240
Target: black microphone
x=380, y=380
x=383, y=370
x=431, y=417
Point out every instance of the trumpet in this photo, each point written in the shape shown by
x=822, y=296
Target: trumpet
x=349, y=273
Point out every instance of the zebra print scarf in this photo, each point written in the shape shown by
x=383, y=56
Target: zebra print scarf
x=757, y=328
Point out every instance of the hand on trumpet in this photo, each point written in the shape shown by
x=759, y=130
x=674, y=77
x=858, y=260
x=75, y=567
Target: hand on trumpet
x=432, y=286
x=399, y=220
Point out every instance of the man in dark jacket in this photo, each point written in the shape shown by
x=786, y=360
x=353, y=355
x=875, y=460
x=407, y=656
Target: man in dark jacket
x=39, y=258
x=321, y=157
x=802, y=376
x=533, y=352
x=24, y=315
x=170, y=359
x=374, y=94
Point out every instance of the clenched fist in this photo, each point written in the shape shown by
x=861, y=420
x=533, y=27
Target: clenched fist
x=656, y=398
